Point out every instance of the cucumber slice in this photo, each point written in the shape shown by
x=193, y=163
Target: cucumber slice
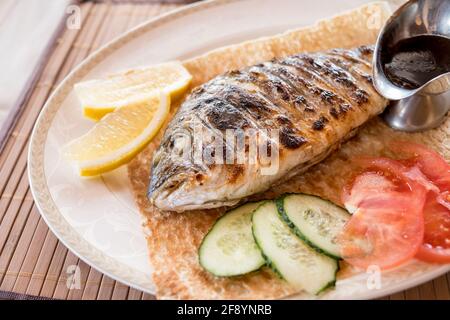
x=289, y=256
x=229, y=248
x=314, y=220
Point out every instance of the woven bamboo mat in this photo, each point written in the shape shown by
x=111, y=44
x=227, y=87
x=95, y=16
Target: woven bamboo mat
x=32, y=261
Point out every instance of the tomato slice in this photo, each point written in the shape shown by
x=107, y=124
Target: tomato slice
x=387, y=227
x=384, y=237
x=443, y=199
x=364, y=187
x=429, y=161
x=436, y=244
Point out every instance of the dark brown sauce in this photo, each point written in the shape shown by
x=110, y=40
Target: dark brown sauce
x=414, y=61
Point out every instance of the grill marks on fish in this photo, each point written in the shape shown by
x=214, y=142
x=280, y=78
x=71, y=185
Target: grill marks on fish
x=280, y=93
x=272, y=90
x=320, y=124
x=330, y=78
x=313, y=106
x=249, y=103
x=313, y=100
x=321, y=99
x=361, y=72
x=223, y=117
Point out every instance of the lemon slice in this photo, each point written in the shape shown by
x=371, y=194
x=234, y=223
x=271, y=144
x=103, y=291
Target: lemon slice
x=99, y=97
x=119, y=136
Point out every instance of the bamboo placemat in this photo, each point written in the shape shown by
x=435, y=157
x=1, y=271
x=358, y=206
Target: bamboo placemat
x=32, y=261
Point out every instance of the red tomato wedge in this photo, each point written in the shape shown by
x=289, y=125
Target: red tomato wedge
x=436, y=244
x=429, y=161
x=387, y=227
x=444, y=199
x=372, y=184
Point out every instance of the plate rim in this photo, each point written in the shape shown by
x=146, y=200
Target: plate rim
x=45, y=204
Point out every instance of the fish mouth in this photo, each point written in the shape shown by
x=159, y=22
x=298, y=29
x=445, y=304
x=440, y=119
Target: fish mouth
x=183, y=206
x=183, y=191
x=172, y=196
x=160, y=190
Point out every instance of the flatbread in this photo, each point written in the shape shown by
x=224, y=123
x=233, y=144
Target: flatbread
x=174, y=238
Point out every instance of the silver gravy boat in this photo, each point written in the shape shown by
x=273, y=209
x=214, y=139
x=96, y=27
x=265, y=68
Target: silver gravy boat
x=425, y=107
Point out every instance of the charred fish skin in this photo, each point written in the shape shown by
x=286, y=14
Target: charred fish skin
x=314, y=101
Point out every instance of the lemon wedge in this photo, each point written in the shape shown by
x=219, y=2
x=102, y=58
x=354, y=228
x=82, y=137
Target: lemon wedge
x=101, y=96
x=119, y=136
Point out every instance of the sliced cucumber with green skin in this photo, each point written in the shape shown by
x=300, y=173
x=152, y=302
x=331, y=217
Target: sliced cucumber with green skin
x=229, y=248
x=289, y=256
x=316, y=221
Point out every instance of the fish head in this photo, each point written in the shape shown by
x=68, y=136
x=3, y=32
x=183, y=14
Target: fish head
x=197, y=167
x=189, y=169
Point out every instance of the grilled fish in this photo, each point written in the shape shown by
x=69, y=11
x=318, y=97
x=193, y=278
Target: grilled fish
x=312, y=101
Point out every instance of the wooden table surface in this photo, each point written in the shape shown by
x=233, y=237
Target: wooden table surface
x=32, y=261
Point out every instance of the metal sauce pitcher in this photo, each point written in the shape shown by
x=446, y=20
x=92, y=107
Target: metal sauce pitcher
x=425, y=107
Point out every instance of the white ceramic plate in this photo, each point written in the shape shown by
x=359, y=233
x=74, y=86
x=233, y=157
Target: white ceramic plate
x=97, y=218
